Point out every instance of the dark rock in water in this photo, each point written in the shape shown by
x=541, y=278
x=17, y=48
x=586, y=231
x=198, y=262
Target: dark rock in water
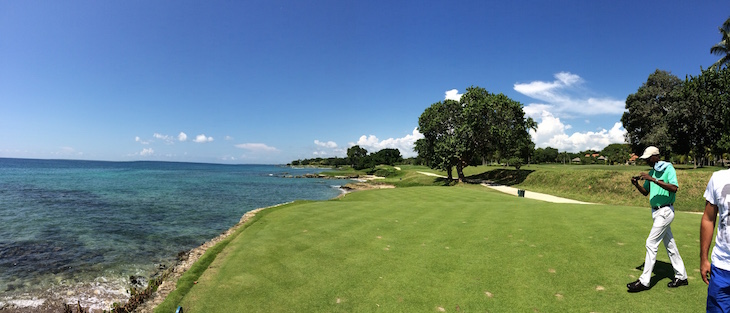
x=137, y=281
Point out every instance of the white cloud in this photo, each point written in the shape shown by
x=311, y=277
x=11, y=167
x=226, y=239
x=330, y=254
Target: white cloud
x=551, y=132
x=168, y=139
x=137, y=139
x=229, y=138
x=328, y=144
x=565, y=97
x=452, y=94
x=404, y=144
x=202, y=138
x=147, y=152
x=257, y=147
x=182, y=136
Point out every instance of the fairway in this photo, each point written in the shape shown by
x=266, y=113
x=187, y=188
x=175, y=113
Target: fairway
x=444, y=249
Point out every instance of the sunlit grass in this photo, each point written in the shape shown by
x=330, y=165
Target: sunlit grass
x=428, y=249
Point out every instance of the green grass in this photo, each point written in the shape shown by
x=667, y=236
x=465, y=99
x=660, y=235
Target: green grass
x=595, y=183
x=463, y=248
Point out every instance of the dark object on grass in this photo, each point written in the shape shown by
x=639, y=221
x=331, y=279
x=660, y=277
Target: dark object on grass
x=179, y=310
x=636, y=286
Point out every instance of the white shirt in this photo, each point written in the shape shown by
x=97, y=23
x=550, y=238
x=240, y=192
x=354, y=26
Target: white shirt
x=718, y=193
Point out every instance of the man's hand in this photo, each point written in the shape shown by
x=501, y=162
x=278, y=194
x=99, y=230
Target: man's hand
x=707, y=229
x=646, y=176
x=705, y=268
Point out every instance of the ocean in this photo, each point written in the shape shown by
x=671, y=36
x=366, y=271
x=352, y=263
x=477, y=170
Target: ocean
x=85, y=227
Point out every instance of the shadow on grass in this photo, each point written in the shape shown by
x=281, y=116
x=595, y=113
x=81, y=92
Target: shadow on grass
x=441, y=181
x=506, y=177
x=661, y=271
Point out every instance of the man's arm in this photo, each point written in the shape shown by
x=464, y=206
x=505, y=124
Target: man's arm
x=666, y=186
x=638, y=186
x=707, y=228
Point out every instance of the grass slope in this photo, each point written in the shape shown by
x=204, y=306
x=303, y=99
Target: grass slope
x=594, y=183
x=432, y=249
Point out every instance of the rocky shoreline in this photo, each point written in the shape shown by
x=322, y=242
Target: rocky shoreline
x=98, y=297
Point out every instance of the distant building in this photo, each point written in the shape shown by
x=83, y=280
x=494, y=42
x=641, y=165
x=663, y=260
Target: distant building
x=576, y=160
x=632, y=159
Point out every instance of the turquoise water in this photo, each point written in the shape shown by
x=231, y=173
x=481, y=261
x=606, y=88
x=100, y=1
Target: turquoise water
x=65, y=222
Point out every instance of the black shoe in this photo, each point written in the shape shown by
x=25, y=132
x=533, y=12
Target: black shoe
x=636, y=286
x=677, y=282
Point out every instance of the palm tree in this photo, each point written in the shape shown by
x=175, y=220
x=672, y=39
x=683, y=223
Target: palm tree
x=722, y=48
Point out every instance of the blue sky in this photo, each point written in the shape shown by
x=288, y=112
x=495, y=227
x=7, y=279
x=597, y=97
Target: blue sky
x=275, y=81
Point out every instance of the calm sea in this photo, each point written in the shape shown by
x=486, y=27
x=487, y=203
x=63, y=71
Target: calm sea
x=68, y=222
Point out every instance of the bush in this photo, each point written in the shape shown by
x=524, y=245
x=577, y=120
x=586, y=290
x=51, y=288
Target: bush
x=514, y=161
x=385, y=172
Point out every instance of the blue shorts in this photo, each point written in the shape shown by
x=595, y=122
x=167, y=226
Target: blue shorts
x=718, y=292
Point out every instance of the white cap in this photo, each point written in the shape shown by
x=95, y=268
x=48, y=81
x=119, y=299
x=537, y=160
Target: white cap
x=649, y=151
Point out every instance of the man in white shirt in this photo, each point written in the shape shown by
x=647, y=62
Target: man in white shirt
x=717, y=200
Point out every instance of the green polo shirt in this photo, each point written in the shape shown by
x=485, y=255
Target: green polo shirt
x=658, y=196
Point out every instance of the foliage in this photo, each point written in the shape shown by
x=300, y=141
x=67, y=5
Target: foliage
x=516, y=162
x=384, y=172
x=439, y=124
x=479, y=126
x=355, y=154
x=697, y=120
x=722, y=48
x=332, y=162
x=547, y=155
x=617, y=153
x=387, y=156
x=646, y=120
x=358, y=159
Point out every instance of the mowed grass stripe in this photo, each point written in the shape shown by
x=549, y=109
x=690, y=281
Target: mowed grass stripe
x=428, y=249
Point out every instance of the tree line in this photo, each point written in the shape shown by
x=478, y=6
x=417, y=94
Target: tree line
x=358, y=158
x=689, y=117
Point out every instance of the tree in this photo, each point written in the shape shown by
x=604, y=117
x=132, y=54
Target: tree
x=550, y=154
x=617, y=153
x=480, y=125
x=722, y=48
x=355, y=155
x=699, y=123
x=438, y=124
x=646, y=120
x=387, y=156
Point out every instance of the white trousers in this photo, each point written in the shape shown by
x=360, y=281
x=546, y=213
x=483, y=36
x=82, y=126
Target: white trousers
x=661, y=231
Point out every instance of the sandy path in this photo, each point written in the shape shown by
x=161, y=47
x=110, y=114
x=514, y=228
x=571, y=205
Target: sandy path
x=513, y=191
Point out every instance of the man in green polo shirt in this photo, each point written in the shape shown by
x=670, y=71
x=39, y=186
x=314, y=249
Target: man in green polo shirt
x=661, y=185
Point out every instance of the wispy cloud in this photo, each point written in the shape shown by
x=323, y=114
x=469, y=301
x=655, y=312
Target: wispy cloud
x=257, y=147
x=404, y=144
x=565, y=96
x=147, y=152
x=551, y=132
x=202, y=138
x=137, y=139
x=166, y=138
x=328, y=144
x=67, y=151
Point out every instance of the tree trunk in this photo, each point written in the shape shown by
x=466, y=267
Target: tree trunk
x=460, y=171
x=450, y=174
